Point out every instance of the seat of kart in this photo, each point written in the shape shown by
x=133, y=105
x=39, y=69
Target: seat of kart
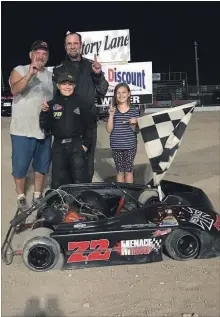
x=108, y=205
x=112, y=203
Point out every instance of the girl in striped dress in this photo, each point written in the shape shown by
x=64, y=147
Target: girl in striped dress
x=121, y=125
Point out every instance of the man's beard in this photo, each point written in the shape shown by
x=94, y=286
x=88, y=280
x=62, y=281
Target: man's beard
x=74, y=55
x=40, y=64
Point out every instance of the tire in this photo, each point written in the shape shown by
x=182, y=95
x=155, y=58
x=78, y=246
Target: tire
x=149, y=196
x=40, y=252
x=174, y=245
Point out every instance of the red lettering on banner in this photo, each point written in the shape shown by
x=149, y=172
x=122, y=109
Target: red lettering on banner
x=100, y=253
x=110, y=75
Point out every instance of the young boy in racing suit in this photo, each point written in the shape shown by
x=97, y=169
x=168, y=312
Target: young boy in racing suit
x=68, y=120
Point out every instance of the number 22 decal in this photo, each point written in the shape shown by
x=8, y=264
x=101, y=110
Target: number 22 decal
x=100, y=247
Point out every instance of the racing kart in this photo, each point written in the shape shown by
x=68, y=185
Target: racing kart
x=102, y=224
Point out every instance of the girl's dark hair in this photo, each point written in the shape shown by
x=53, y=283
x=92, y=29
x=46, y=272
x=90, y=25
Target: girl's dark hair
x=114, y=99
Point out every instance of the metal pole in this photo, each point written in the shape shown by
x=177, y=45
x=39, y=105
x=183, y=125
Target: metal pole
x=197, y=71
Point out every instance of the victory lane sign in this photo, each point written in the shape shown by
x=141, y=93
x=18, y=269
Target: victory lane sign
x=109, y=46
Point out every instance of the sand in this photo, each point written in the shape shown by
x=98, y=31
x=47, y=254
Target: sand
x=168, y=288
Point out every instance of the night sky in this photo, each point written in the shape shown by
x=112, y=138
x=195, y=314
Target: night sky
x=161, y=32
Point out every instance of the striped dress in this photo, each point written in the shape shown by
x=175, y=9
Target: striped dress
x=122, y=136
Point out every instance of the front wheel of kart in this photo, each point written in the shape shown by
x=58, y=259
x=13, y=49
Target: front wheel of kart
x=41, y=252
x=182, y=245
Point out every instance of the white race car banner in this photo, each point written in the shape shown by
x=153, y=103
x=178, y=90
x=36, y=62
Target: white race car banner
x=137, y=75
x=109, y=46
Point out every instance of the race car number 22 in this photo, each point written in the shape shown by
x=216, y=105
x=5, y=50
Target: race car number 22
x=98, y=251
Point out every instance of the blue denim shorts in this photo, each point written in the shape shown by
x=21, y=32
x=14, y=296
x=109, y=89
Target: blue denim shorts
x=25, y=149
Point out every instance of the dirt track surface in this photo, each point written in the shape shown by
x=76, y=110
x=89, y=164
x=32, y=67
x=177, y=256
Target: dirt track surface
x=158, y=289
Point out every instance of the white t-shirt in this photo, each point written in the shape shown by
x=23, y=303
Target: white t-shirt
x=26, y=106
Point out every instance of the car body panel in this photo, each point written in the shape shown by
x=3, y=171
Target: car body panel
x=78, y=240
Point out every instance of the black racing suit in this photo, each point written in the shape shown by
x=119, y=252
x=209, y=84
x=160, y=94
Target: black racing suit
x=69, y=121
x=88, y=87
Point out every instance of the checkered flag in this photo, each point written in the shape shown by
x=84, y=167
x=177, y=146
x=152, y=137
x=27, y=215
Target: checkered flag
x=162, y=133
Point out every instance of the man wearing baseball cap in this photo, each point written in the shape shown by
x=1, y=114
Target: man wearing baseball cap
x=68, y=119
x=39, y=45
x=30, y=85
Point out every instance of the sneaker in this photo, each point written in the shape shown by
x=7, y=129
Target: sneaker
x=22, y=204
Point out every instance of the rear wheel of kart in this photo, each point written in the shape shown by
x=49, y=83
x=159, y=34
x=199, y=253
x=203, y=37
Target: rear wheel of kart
x=41, y=252
x=149, y=196
x=182, y=245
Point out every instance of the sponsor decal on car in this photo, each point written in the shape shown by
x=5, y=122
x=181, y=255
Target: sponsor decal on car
x=200, y=218
x=80, y=225
x=85, y=251
x=137, y=247
x=159, y=233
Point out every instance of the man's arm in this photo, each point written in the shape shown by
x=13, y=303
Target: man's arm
x=19, y=83
x=99, y=80
x=46, y=119
x=101, y=84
